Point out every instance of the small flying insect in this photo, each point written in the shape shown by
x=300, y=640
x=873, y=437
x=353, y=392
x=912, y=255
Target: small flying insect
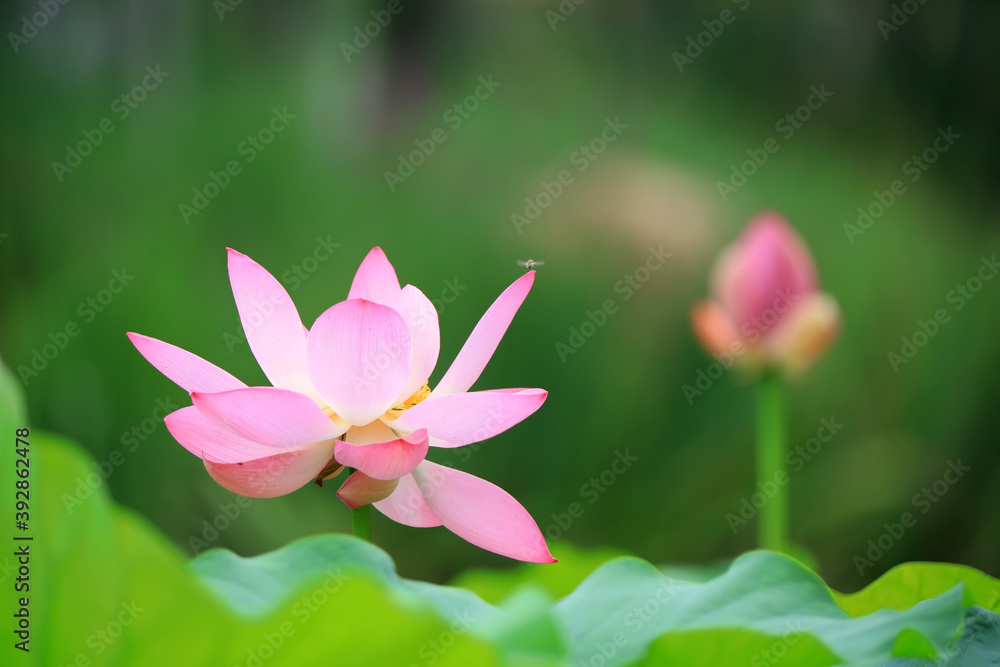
x=529, y=264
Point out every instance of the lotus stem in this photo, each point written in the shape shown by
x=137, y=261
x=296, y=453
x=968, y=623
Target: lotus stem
x=772, y=475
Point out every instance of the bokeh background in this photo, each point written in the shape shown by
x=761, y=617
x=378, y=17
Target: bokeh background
x=561, y=76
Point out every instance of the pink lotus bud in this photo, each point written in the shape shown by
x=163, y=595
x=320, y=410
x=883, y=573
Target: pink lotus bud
x=766, y=308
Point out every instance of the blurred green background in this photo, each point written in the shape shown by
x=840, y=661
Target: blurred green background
x=450, y=222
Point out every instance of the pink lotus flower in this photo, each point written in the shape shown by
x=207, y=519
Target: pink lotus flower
x=767, y=310
x=352, y=391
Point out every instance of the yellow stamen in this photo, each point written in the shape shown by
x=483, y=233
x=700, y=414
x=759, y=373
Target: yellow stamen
x=335, y=418
x=418, y=396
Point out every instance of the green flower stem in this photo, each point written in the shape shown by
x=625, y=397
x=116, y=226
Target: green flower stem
x=361, y=518
x=361, y=522
x=772, y=524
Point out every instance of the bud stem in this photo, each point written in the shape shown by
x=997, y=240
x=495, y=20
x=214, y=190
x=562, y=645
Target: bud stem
x=361, y=522
x=771, y=468
x=361, y=519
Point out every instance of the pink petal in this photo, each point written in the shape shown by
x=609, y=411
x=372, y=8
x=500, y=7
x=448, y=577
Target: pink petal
x=714, y=329
x=406, y=505
x=483, y=340
x=376, y=280
x=272, y=325
x=806, y=333
x=274, y=475
x=460, y=419
x=360, y=490
x=270, y=416
x=481, y=513
x=769, y=262
x=189, y=371
x=422, y=321
x=359, y=358
x=384, y=460
x=204, y=437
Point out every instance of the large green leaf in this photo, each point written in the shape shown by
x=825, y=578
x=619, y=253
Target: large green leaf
x=629, y=603
x=905, y=585
x=260, y=586
x=735, y=647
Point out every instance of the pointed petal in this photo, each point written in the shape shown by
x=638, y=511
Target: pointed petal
x=384, y=460
x=422, y=321
x=806, y=333
x=273, y=475
x=269, y=416
x=272, y=325
x=204, y=437
x=461, y=419
x=768, y=263
x=376, y=280
x=359, y=358
x=483, y=340
x=188, y=371
x=406, y=505
x=481, y=513
x=360, y=490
